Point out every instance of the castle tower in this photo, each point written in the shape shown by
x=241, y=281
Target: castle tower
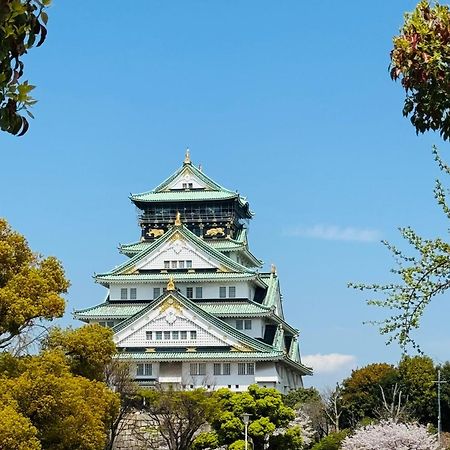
x=189, y=306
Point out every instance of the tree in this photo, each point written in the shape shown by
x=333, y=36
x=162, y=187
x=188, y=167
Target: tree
x=416, y=376
x=179, y=415
x=89, y=349
x=421, y=58
x=22, y=25
x=270, y=418
x=331, y=442
x=361, y=396
x=298, y=397
x=389, y=435
x=30, y=286
x=60, y=409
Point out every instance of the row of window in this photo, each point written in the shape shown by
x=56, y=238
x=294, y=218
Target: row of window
x=243, y=324
x=184, y=264
x=191, y=292
x=199, y=369
x=170, y=335
x=124, y=294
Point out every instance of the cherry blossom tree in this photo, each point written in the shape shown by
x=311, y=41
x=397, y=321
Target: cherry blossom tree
x=388, y=435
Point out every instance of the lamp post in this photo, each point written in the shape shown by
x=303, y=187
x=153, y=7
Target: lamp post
x=439, y=382
x=246, y=420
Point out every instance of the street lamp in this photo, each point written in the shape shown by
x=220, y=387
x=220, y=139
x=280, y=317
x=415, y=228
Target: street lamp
x=246, y=420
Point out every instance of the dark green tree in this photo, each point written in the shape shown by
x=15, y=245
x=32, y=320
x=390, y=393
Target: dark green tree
x=22, y=26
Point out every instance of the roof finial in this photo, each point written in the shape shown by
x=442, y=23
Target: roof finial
x=200, y=167
x=178, y=219
x=170, y=285
x=273, y=269
x=187, y=158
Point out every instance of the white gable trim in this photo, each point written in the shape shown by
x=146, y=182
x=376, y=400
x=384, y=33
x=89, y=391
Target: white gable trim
x=171, y=315
x=186, y=176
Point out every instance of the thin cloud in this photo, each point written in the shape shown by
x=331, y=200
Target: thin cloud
x=336, y=233
x=329, y=363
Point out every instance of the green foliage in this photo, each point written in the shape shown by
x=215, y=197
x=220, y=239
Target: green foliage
x=420, y=57
x=291, y=440
x=67, y=411
x=89, y=349
x=30, y=286
x=298, y=397
x=267, y=410
x=423, y=275
x=416, y=377
x=361, y=393
x=179, y=414
x=239, y=445
x=206, y=440
x=22, y=26
x=332, y=441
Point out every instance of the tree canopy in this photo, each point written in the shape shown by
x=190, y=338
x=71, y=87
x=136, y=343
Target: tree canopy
x=421, y=58
x=22, y=26
x=31, y=286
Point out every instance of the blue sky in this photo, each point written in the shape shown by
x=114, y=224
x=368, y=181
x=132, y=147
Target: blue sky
x=288, y=102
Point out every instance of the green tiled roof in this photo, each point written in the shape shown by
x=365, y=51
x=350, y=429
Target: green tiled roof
x=278, y=340
x=125, y=310
x=178, y=277
x=228, y=329
x=222, y=245
x=110, y=311
x=184, y=196
x=235, y=309
x=213, y=191
x=189, y=236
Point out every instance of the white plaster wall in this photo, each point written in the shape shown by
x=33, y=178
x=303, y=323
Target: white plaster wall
x=210, y=290
x=257, y=327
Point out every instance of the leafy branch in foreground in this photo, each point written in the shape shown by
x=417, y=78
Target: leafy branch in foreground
x=423, y=276
x=421, y=58
x=22, y=25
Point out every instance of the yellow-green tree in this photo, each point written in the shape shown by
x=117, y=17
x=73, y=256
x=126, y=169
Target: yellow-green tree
x=31, y=286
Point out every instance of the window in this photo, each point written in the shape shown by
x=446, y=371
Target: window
x=149, y=335
x=217, y=367
x=226, y=370
x=184, y=185
x=193, y=334
x=183, y=335
x=174, y=264
x=232, y=291
x=241, y=368
x=102, y=324
x=189, y=292
x=159, y=335
x=222, y=292
x=198, y=292
x=156, y=292
x=248, y=324
x=190, y=185
x=123, y=294
x=250, y=369
x=181, y=264
x=133, y=293
x=198, y=369
x=110, y=324
x=239, y=324
x=166, y=264
x=189, y=263
x=166, y=335
x=175, y=335
x=144, y=369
